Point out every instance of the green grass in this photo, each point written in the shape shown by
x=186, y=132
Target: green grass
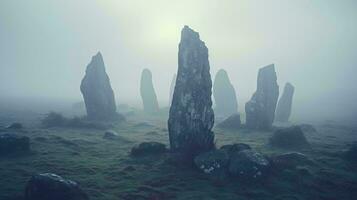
x=105, y=170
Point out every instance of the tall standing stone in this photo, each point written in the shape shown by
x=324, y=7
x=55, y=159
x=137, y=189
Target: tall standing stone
x=283, y=109
x=147, y=92
x=224, y=95
x=260, y=110
x=172, y=88
x=97, y=92
x=191, y=116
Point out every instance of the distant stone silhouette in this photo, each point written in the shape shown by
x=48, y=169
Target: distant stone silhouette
x=224, y=95
x=97, y=92
x=260, y=110
x=147, y=92
x=191, y=116
x=172, y=88
x=283, y=109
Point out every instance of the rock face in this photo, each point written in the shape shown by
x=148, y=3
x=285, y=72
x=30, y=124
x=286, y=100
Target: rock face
x=172, y=88
x=289, y=138
x=191, y=116
x=53, y=187
x=97, y=92
x=224, y=95
x=147, y=92
x=283, y=109
x=10, y=143
x=260, y=110
x=233, y=122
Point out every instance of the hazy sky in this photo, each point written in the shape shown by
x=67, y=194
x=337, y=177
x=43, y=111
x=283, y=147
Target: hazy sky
x=45, y=46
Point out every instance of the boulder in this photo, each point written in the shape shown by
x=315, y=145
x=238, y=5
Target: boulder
x=191, y=117
x=289, y=138
x=147, y=148
x=233, y=122
x=283, y=109
x=15, y=125
x=224, y=95
x=235, y=148
x=290, y=160
x=248, y=165
x=260, y=110
x=110, y=134
x=213, y=162
x=53, y=187
x=11, y=143
x=172, y=88
x=97, y=91
x=147, y=92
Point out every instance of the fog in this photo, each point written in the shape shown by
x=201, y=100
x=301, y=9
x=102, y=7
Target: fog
x=45, y=46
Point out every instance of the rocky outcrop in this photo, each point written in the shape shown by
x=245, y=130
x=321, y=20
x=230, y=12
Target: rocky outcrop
x=97, y=91
x=231, y=123
x=53, y=187
x=11, y=143
x=147, y=92
x=289, y=138
x=224, y=95
x=191, y=116
x=172, y=88
x=260, y=110
x=283, y=109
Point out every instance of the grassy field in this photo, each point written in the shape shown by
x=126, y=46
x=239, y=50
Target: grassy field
x=105, y=170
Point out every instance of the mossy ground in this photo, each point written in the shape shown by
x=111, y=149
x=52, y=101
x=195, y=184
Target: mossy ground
x=106, y=171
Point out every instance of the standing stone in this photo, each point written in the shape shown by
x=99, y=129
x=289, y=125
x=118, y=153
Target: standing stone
x=224, y=95
x=283, y=109
x=172, y=88
x=191, y=116
x=97, y=92
x=260, y=110
x=147, y=92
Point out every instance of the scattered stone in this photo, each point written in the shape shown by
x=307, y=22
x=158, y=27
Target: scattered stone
x=97, y=91
x=289, y=138
x=213, y=162
x=15, y=125
x=235, y=148
x=191, y=116
x=53, y=187
x=231, y=123
x=110, y=134
x=147, y=148
x=260, y=110
x=290, y=160
x=351, y=153
x=172, y=88
x=283, y=109
x=11, y=143
x=249, y=165
x=224, y=95
x=307, y=128
x=147, y=92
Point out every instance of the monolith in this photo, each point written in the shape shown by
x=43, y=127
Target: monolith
x=260, y=110
x=224, y=95
x=97, y=91
x=147, y=92
x=191, y=116
x=283, y=109
x=172, y=88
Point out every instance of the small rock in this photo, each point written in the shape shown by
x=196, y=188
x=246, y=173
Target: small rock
x=110, y=134
x=289, y=138
x=234, y=148
x=53, y=187
x=249, y=165
x=146, y=148
x=232, y=122
x=212, y=162
x=15, y=125
x=290, y=160
x=10, y=143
